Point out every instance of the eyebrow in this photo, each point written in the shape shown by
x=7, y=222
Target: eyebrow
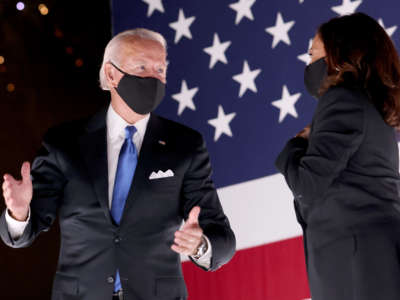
x=143, y=62
x=136, y=63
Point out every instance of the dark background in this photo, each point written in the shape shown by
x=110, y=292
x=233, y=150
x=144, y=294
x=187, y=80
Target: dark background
x=52, y=61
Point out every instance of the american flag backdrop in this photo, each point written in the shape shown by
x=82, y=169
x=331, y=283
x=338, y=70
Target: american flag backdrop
x=236, y=75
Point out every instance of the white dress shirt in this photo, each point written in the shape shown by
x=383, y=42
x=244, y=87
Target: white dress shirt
x=115, y=138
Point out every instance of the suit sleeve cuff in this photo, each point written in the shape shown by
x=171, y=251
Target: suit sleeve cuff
x=298, y=142
x=16, y=228
x=293, y=148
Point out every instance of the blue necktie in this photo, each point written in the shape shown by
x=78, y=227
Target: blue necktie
x=127, y=162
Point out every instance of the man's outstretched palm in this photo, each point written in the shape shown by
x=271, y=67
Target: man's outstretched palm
x=18, y=193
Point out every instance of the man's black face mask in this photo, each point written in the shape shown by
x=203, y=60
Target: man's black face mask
x=142, y=95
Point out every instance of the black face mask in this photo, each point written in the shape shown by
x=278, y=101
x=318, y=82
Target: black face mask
x=314, y=75
x=142, y=95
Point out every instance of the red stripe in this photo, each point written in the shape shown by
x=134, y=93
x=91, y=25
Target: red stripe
x=270, y=272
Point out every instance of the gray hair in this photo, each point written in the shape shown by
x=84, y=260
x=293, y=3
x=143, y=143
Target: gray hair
x=111, y=52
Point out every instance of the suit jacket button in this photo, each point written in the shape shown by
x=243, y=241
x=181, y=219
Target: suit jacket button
x=110, y=279
x=117, y=240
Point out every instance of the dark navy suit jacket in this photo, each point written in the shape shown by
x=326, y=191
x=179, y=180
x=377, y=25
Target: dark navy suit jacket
x=345, y=177
x=70, y=179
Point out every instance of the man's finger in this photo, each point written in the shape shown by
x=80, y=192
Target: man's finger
x=26, y=172
x=7, y=195
x=9, y=179
x=185, y=243
x=180, y=250
x=194, y=215
x=6, y=185
x=193, y=229
x=189, y=234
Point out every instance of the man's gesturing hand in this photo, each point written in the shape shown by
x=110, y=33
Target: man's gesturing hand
x=18, y=193
x=188, y=239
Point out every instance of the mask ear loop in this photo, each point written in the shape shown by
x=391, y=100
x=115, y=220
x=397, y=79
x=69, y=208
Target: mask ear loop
x=118, y=68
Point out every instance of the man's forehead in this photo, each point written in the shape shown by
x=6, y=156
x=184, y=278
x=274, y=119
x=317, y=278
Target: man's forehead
x=137, y=44
x=141, y=49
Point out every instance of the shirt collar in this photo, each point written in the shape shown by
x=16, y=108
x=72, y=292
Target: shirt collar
x=116, y=124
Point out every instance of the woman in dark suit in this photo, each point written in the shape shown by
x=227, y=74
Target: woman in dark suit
x=343, y=169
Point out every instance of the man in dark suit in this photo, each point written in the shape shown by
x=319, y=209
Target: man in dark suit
x=121, y=184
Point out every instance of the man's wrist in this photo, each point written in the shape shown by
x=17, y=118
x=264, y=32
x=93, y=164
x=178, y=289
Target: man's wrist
x=21, y=217
x=201, y=249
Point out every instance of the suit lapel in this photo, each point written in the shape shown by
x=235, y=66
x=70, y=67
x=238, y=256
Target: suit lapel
x=93, y=146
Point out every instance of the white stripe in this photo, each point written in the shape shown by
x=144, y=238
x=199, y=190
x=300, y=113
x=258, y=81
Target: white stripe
x=260, y=211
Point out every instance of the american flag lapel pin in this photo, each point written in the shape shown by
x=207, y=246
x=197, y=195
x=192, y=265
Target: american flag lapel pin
x=162, y=143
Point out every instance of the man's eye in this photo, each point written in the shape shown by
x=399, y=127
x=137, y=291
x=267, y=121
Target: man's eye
x=141, y=68
x=161, y=71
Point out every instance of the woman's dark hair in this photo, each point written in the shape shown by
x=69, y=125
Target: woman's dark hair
x=359, y=53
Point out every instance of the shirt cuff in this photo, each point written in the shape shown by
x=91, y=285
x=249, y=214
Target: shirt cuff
x=205, y=259
x=16, y=228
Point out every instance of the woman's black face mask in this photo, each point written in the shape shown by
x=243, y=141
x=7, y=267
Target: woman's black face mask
x=314, y=75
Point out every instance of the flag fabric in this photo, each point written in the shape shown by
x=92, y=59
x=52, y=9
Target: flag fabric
x=236, y=75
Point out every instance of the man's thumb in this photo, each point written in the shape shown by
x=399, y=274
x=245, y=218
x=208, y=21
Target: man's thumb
x=194, y=215
x=26, y=171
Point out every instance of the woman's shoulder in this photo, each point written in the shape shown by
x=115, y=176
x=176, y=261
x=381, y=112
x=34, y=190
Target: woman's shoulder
x=344, y=96
x=341, y=107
